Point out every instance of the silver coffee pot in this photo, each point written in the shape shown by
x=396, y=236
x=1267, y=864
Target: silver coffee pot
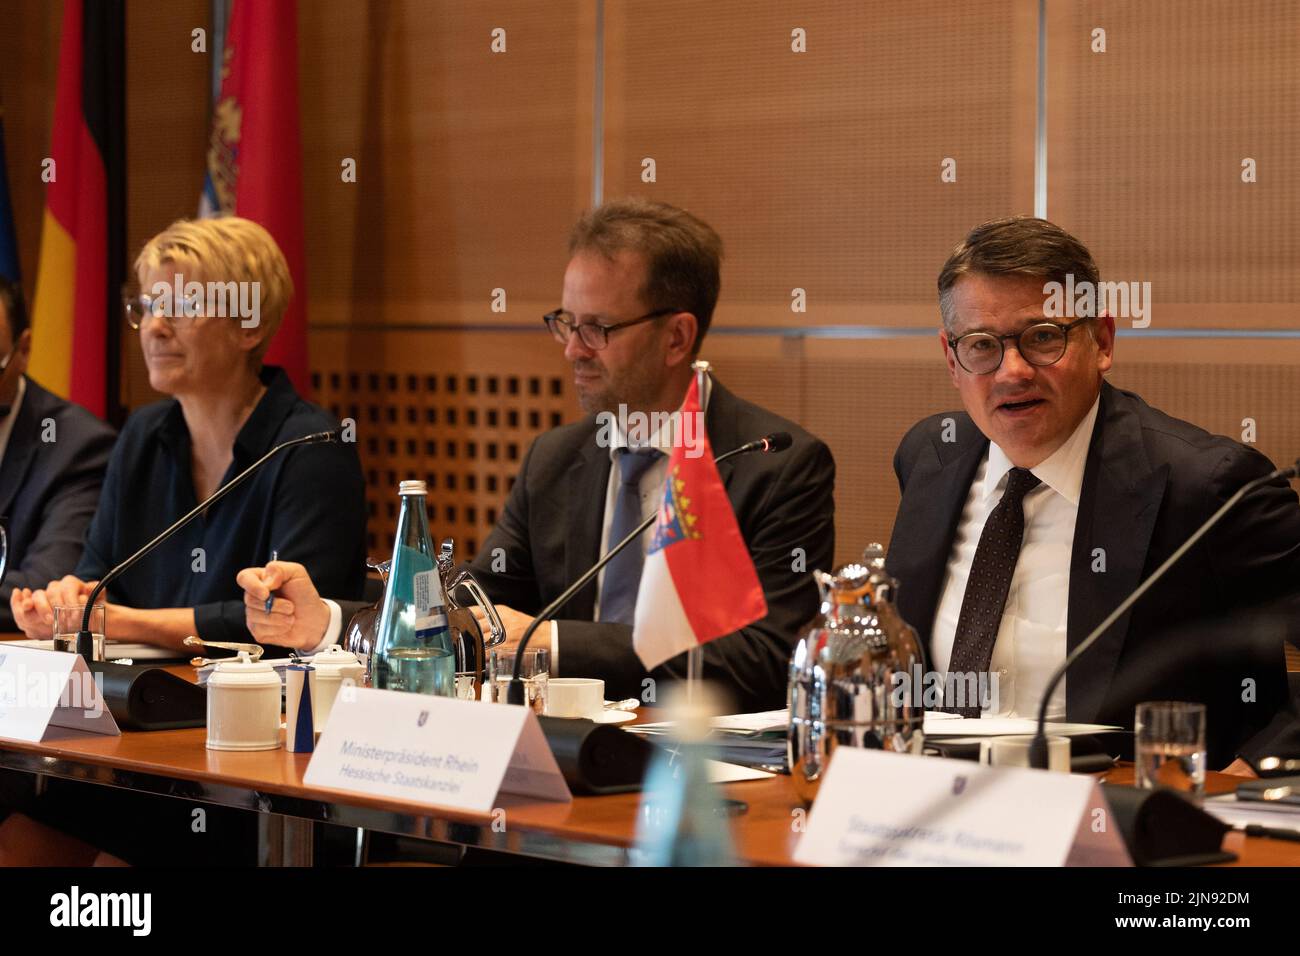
x=466, y=637
x=855, y=673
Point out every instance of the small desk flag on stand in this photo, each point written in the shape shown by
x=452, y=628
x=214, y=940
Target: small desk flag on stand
x=698, y=582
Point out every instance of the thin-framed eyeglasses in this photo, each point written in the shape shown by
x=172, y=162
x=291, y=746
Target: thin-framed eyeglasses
x=139, y=308
x=1041, y=344
x=562, y=324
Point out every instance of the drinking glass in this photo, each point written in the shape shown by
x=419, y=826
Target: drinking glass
x=1170, y=747
x=534, y=672
x=67, y=622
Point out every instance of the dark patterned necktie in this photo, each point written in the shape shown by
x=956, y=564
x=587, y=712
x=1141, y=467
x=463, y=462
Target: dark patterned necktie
x=987, y=586
x=623, y=574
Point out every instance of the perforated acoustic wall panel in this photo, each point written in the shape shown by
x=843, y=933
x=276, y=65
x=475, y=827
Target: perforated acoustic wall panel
x=457, y=412
x=1146, y=147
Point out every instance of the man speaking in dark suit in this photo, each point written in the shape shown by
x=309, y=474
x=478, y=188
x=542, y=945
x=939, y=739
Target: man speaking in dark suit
x=53, y=455
x=1026, y=520
x=639, y=292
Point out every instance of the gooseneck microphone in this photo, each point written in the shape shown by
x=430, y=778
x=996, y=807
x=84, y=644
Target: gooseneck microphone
x=1038, y=747
x=775, y=442
x=85, y=641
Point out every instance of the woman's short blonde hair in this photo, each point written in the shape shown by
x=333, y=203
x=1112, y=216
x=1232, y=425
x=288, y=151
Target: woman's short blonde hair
x=226, y=249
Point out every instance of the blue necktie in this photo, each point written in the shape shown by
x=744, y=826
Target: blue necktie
x=623, y=574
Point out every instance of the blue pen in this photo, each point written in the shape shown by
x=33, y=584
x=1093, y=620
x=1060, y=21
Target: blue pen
x=270, y=598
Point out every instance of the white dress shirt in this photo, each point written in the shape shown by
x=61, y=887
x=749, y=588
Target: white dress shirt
x=1031, y=639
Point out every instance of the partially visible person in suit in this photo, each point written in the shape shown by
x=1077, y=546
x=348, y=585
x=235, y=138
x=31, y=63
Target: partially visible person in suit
x=53, y=455
x=226, y=409
x=1028, y=518
x=639, y=293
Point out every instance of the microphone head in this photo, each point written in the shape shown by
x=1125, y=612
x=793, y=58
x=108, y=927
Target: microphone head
x=777, y=441
x=322, y=438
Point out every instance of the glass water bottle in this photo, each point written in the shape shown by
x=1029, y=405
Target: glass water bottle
x=413, y=651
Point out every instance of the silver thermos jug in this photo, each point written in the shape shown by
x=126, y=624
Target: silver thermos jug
x=854, y=674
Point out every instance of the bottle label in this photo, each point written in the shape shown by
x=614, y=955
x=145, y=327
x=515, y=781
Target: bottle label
x=429, y=613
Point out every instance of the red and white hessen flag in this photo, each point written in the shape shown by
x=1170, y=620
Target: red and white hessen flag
x=698, y=582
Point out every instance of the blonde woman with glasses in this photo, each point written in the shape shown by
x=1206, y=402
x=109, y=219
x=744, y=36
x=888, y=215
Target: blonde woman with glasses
x=211, y=295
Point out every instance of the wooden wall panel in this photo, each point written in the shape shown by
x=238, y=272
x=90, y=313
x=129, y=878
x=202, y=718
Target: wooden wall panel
x=29, y=60
x=821, y=170
x=1145, y=147
x=167, y=123
x=471, y=165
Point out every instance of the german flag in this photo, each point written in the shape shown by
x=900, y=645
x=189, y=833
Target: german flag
x=76, y=315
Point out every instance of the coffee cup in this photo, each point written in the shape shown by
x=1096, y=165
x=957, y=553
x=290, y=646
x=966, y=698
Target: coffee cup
x=1013, y=751
x=575, y=697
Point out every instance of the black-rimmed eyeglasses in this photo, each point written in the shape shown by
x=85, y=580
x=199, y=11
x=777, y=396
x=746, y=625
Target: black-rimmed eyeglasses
x=593, y=335
x=1043, y=343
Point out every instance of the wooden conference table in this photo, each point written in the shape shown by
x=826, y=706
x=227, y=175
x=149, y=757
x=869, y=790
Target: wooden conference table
x=590, y=830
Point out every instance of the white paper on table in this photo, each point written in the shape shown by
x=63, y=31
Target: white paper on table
x=113, y=650
x=948, y=725
x=766, y=720
x=722, y=772
x=1239, y=813
x=753, y=723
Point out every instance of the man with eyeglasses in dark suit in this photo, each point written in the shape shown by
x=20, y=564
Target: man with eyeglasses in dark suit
x=639, y=293
x=1028, y=518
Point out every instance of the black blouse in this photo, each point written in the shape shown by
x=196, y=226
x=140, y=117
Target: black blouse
x=307, y=503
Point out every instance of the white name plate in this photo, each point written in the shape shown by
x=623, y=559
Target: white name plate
x=434, y=750
x=884, y=809
x=44, y=690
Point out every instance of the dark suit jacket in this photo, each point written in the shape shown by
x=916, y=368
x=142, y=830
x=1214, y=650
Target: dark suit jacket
x=550, y=533
x=48, y=489
x=1210, y=631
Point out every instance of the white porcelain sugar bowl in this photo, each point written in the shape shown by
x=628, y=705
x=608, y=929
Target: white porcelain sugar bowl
x=243, y=705
x=335, y=668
